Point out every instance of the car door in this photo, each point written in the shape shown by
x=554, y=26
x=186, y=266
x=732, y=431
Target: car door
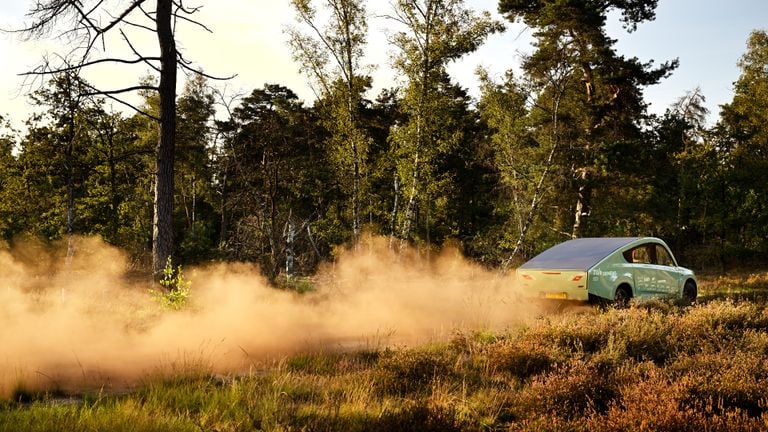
x=640, y=261
x=651, y=278
x=667, y=277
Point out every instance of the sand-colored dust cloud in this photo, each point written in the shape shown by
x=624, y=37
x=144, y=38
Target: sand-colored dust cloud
x=82, y=320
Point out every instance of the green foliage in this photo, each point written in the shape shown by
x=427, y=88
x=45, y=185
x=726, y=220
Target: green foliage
x=272, y=130
x=196, y=217
x=741, y=137
x=175, y=292
x=437, y=32
x=564, y=148
x=331, y=57
x=589, y=98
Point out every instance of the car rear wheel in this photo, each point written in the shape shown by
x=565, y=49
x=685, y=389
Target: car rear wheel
x=621, y=299
x=690, y=292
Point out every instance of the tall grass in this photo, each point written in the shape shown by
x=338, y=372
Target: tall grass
x=654, y=366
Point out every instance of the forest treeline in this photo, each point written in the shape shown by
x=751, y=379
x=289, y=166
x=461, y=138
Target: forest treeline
x=566, y=148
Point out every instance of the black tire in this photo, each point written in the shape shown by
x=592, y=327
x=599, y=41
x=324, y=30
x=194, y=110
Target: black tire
x=690, y=292
x=622, y=297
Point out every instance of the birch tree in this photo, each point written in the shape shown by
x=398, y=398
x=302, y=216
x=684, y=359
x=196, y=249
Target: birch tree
x=433, y=34
x=331, y=56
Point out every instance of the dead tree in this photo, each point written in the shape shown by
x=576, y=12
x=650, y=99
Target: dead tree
x=84, y=26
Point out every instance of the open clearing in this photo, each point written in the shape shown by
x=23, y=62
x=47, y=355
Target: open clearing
x=654, y=366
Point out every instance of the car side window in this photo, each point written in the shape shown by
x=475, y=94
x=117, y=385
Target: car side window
x=663, y=256
x=639, y=255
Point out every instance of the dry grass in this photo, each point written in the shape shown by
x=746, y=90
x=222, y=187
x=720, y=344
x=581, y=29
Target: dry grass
x=654, y=366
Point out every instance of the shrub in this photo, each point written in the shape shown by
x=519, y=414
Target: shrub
x=730, y=380
x=412, y=371
x=570, y=391
x=524, y=358
x=644, y=335
x=175, y=294
x=656, y=402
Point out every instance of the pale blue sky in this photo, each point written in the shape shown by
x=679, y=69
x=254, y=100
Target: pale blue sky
x=708, y=36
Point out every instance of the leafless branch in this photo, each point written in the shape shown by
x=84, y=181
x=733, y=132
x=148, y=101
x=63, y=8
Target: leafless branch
x=186, y=65
x=203, y=74
x=84, y=30
x=122, y=102
x=227, y=100
x=140, y=26
x=121, y=17
x=197, y=23
x=147, y=60
x=82, y=65
x=187, y=10
x=119, y=91
x=148, y=14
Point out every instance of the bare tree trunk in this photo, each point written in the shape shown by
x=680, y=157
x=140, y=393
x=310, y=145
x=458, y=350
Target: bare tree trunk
x=355, y=189
x=393, y=218
x=289, y=252
x=559, y=85
x=583, y=203
x=410, y=209
x=537, y=192
x=224, y=215
x=70, y=198
x=70, y=192
x=352, y=110
x=114, y=201
x=72, y=108
x=162, y=230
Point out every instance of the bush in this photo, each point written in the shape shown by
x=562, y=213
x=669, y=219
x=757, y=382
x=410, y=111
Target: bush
x=175, y=294
x=570, y=391
x=413, y=371
x=523, y=359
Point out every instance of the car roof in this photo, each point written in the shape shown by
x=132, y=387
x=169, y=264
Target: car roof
x=579, y=254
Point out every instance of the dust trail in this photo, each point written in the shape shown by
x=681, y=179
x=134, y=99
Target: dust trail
x=89, y=323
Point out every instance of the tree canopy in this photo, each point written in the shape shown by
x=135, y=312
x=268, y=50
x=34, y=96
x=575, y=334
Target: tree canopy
x=563, y=147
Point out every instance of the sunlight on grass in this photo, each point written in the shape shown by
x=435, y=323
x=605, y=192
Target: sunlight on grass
x=653, y=366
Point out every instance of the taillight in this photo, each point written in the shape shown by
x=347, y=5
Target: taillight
x=577, y=278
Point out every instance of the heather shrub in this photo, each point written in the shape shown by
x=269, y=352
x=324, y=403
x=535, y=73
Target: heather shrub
x=523, y=358
x=655, y=366
x=644, y=335
x=755, y=341
x=717, y=326
x=583, y=333
x=654, y=402
x=545, y=422
x=412, y=371
x=417, y=416
x=570, y=391
x=729, y=380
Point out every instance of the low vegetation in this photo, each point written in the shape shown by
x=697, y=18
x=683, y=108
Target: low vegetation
x=653, y=366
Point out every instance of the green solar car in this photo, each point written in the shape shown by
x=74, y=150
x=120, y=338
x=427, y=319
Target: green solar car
x=611, y=268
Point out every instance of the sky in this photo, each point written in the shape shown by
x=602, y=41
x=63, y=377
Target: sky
x=248, y=39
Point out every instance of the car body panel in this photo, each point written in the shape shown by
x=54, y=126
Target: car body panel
x=644, y=264
x=555, y=284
